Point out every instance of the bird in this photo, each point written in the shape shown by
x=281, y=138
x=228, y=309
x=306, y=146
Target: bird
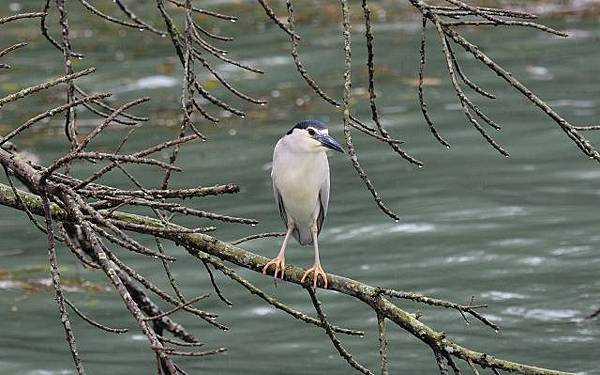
x=300, y=175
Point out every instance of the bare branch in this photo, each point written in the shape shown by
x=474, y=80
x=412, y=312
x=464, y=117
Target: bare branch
x=383, y=345
x=43, y=86
x=60, y=298
x=257, y=236
x=21, y=16
x=334, y=340
x=205, y=244
x=93, y=322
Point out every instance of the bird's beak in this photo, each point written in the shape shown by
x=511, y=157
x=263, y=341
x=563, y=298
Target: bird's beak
x=329, y=142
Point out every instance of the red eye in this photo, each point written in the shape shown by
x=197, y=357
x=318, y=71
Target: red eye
x=311, y=131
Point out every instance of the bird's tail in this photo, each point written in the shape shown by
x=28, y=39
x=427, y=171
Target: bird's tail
x=304, y=237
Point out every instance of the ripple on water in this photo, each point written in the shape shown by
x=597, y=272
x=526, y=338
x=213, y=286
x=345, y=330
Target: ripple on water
x=539, y=72
x=262, y=310
x=569, y=339
x=473, y=256
x=532, y=261
x=394, y=109
x=581, y=174
x=148, y=83
x=486, y=213
x=376, y=230
x=496, y=295
x=567, y=250
x=570, y=103
x=515, y=242
x=543, y=314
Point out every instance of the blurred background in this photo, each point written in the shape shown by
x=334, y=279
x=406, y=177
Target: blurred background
x=518, y=233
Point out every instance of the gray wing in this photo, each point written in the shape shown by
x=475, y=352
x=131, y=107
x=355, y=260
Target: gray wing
x=323, y=202
x=280, y=206
x=276, y=193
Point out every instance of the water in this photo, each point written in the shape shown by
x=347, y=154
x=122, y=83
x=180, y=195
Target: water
x=519, y=234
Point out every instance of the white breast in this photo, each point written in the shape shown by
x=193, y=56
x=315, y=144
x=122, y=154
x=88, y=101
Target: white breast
x=299, y=177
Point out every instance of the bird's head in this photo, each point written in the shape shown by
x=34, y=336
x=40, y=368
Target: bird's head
x=312, y=136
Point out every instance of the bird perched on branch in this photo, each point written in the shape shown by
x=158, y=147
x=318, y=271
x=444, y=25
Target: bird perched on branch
x=301, y=187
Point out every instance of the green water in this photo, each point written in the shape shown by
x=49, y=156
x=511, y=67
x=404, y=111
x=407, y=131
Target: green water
x=519, y=234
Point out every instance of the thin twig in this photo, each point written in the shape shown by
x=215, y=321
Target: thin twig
x=93, y=322
x=469, y=309
x=422, y=103
x=60, y=298
x=346, y=112
x=257, y=236
x=21, y=16
x=383, y=345
x=43, y=86
x=177, y=308
x=334, y=340
x=215, y=286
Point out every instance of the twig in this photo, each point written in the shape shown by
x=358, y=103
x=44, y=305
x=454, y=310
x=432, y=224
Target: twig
x=93, y=322
x=46, y=34
x=464, y=101
x=21, y=16
x=271, y=14
x=171, y=351
x=22, y=205
x=346, y=112
x=83, y=143
x=594, y=314
x=257, y=236
x=469, y=309
x=171, y=193
x=50, y=113
x=334, y=340
x=177, y=308
x=43, y=86
x=383, y=345
x=60, y=298
x=385, y=137
x=142, y=153
x=70, y=115
x=168, y=273
x=180, y=343
x=473, y=368
x=108, y=18
x=77, y=251
x=132, y=16
x=12, y=48
x=215, y=286
x=207, y=12
x=422, y=103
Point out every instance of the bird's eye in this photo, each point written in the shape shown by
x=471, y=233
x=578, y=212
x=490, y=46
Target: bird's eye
x=311, y=131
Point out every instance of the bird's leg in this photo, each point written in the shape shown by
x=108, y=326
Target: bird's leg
x=279, y=260
x=316, y=269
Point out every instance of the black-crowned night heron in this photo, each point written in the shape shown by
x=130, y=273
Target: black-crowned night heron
x=301, y=187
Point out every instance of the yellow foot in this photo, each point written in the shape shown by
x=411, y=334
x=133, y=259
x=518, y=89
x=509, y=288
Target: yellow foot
x=279, y=264
x=317, y=271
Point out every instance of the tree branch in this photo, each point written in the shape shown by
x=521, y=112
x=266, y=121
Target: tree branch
x=368, y=294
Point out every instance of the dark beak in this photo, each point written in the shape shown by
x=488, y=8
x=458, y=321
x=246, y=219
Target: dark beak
x=329, y=142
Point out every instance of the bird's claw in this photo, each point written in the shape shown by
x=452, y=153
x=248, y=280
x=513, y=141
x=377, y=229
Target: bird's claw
x=317, y=271
x=279, y=263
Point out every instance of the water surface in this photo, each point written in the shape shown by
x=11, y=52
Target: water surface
x=518, y=233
